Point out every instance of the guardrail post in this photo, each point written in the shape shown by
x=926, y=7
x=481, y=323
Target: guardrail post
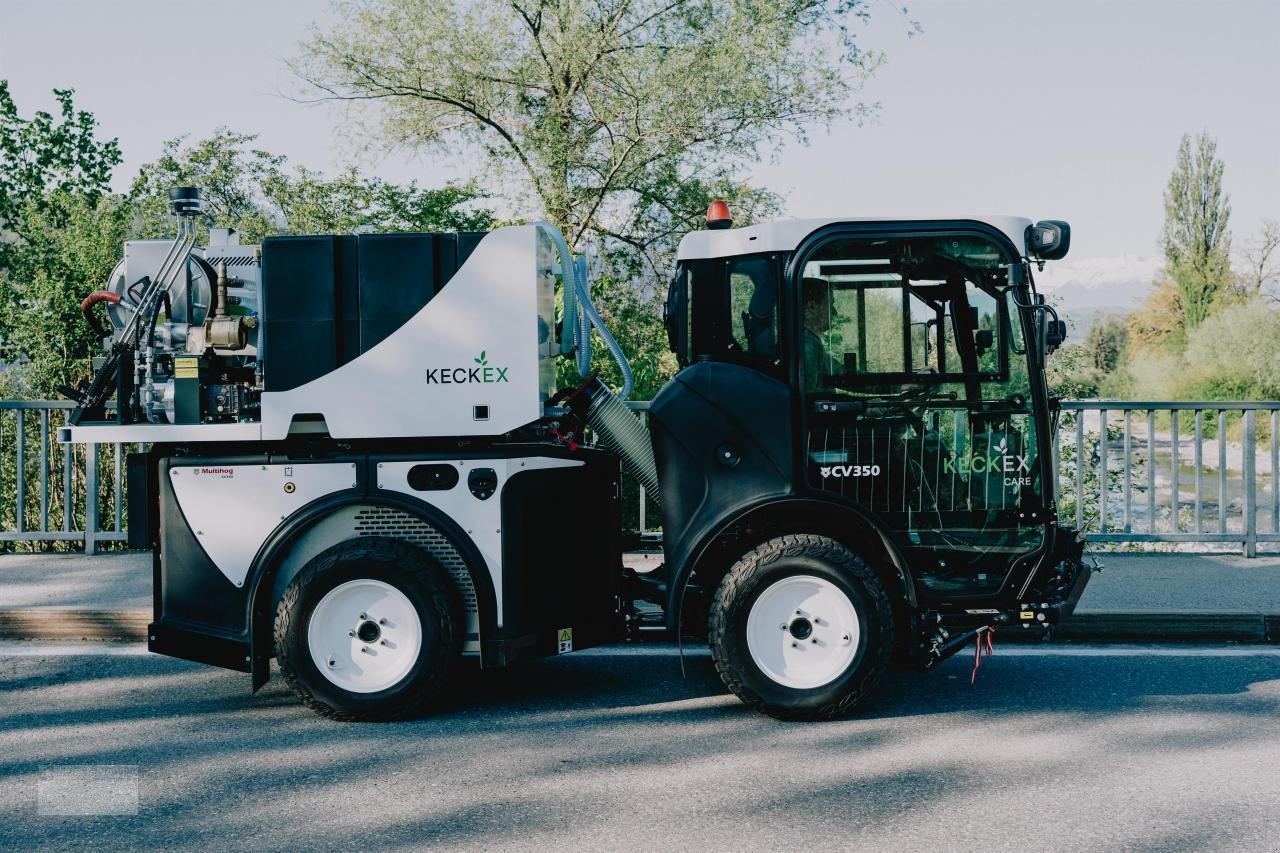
x=91, y=498
x=1248, y=475
x=20, y=481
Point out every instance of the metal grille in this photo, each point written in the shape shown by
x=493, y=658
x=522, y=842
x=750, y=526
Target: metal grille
x=383, y=521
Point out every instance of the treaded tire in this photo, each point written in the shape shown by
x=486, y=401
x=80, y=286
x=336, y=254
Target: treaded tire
x=417, y=575
x=765, y=565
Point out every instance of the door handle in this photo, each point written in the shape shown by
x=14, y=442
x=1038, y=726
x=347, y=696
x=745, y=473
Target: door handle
x=832, y=407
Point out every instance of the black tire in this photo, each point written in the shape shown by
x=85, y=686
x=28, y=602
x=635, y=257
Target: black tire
x=759, y=569
x=413, y=572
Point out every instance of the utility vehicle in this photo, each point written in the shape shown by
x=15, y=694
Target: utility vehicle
x=358, y=461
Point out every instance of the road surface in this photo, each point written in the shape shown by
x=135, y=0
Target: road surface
x=1082, y=748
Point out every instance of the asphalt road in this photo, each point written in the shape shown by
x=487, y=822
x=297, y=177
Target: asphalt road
x=1075, y=748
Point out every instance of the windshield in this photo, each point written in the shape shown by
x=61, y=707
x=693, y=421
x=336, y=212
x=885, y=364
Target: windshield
x=883, y=315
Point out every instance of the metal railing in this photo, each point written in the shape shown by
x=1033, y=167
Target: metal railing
x=1171, y=472
x=45, y=486
x=1185, y=472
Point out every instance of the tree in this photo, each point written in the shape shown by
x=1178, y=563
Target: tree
x=1197, y=244
x=1233, y=355
x=1261, y=259
x=619, y=116
x=1071, y=373
x=1158, y=322
x=42, y=154
x=1106, y=342
x=254, y=192
x=70, y=243
x=229, y=173
x=308, y=203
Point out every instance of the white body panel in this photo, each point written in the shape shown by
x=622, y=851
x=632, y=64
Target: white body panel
x=482, y=520
x=232, y=509
x=125, y=433
x=489, y=307
x=785, y=235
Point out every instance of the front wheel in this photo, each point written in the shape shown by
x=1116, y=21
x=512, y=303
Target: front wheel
x=801, y=628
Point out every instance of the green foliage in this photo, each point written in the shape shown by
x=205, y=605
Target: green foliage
x=608, y=111
x=70, y=243
x=254, y=192
x=1197, y=244
x=636, y=323
x=1234, y=355
x=229, y=173
x=1107, y=341
x=1072, y=374
x=309, y=203
x=1073, y=468
x=44, y=154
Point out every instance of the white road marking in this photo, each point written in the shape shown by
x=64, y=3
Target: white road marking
x=1125, y=650
x=19, y=648
x=22, y=648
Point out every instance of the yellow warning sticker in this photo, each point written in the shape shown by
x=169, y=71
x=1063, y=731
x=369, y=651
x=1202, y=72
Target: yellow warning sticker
x=1027, y=614
x=186, y=368
x=565, y=639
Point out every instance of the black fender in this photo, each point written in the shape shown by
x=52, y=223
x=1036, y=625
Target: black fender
x=260, y=580
x=841, y=520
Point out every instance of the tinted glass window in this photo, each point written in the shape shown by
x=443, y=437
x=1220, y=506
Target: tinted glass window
x=753, y=306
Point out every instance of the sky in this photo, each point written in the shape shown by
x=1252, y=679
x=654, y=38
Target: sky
x=1045, y=110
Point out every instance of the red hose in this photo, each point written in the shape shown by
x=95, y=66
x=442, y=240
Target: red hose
x=99, y=296
x=93, y=299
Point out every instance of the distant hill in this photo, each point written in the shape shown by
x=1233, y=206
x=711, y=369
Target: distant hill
x=1087, y=289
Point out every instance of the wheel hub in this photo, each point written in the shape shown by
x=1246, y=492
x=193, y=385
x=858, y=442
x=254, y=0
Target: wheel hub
x=364, y=635
x=800, y=628
x=819, y=637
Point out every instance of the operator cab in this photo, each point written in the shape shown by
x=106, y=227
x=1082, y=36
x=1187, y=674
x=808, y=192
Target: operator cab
x=900, y=361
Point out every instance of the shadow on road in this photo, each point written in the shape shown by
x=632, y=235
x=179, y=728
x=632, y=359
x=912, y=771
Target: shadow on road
x=549, y=747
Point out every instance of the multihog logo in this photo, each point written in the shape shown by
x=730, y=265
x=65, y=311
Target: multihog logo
x=224, y=473
x=485, y=374
x=1000, y=461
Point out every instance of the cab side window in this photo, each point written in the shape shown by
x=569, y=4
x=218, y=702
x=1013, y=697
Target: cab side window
x=753, y=307
x=733, y=311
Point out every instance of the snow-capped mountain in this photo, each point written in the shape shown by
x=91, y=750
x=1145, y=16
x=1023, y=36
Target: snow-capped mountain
x=1088, y=288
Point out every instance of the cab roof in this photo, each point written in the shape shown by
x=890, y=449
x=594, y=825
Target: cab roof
x=785, y=235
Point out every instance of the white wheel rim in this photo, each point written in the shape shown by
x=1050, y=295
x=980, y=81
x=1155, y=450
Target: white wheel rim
x=803, y=632
x=364, y=635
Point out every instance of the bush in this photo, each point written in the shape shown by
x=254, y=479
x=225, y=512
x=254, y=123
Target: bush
x=1234, y=354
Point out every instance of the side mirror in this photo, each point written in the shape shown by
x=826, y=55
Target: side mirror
x=1048, y=240
x=1055, y=335
x=984, y=340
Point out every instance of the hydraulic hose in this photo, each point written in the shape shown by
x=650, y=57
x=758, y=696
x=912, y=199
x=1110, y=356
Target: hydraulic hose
x=581, y=314
x=87, y=308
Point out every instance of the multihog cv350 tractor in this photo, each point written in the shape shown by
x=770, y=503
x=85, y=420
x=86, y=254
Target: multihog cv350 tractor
x=358, y=461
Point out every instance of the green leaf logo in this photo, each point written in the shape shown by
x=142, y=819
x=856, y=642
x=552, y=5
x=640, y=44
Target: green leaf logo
x=482, y=359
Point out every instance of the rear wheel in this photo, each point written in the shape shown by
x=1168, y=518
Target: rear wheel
x=801, y=628
x=369, y=630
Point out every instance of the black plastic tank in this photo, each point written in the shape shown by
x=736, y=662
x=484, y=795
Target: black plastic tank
x=326, y=299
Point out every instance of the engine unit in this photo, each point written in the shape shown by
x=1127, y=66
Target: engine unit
x=354, y=336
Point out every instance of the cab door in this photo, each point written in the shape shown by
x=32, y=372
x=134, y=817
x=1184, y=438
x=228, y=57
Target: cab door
x=916, y=399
